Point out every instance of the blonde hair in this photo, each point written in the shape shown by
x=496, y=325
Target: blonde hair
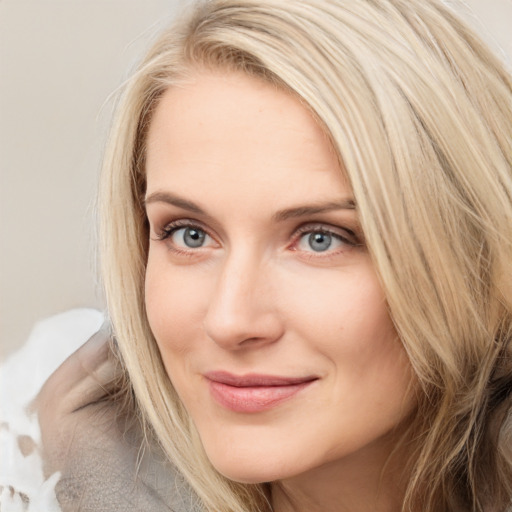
x=420, y=113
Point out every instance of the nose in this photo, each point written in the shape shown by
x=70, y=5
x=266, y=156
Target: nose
x=242, y=311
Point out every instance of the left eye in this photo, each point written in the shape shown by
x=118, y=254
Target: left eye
x=319, y=241
x=190, y=237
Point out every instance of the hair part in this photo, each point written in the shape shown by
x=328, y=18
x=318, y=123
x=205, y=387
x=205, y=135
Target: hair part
x=420, y=113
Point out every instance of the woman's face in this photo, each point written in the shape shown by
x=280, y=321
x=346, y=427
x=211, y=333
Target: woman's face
x=262, y=297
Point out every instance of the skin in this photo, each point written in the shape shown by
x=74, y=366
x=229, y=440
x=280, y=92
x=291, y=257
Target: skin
x=257, y=296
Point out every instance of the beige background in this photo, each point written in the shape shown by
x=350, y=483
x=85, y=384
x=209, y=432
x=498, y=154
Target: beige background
x=59, y=63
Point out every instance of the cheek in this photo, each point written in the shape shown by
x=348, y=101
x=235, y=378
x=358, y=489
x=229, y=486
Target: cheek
x=173, y=305
x=345, y=312
x=346, y=319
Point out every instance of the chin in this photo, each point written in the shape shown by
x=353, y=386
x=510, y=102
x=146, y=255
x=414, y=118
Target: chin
x=250, y=473
x=254, y=468
x=242, y=477
x=247, y=470
x=251, y=479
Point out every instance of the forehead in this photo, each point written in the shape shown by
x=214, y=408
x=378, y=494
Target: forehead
x=224, y=129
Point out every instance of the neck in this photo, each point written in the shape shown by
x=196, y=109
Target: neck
x=362, y=482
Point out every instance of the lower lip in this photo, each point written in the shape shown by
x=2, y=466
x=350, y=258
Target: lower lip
x=254, y=399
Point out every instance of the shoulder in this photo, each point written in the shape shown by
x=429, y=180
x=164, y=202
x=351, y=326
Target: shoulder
x=105, y=460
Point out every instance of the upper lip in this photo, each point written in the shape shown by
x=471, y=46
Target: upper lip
x=255, y=379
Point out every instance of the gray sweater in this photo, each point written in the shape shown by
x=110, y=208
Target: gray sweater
x=98, y=447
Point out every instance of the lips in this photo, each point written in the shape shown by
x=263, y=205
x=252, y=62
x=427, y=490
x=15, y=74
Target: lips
x=254, y=393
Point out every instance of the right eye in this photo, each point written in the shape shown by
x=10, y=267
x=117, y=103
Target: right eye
x=187, y=237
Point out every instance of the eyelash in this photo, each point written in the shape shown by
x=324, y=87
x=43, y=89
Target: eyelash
x=169, y=229
x=344, y=235
x=351, y=240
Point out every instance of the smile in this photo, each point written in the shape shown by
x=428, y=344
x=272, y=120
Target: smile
x=254, y=393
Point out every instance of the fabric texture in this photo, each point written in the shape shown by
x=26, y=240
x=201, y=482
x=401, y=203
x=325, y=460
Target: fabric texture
x=69, y=446
x=23, y=485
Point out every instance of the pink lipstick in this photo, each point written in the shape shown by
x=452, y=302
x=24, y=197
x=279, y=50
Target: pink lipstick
x=252, y=392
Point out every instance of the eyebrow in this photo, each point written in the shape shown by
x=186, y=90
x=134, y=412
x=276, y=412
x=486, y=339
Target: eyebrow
x=166, y=197
x=280, y=216
x=302, y=211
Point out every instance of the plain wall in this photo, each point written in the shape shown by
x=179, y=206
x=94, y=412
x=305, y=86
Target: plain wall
x=59, y=63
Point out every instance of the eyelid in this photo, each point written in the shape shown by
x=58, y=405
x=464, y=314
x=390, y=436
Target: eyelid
x=342, y=232
x=348, y=240
x=351, y=238
x=169, y=228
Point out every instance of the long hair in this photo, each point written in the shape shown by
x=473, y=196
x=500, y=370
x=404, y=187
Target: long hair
x=419, y=112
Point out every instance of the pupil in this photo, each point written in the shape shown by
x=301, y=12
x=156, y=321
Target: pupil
x=193, y=237
x=319, y=241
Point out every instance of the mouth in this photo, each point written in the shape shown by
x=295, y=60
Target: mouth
x=253, y=393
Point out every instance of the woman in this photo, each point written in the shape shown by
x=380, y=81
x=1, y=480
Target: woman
x=306, y=242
